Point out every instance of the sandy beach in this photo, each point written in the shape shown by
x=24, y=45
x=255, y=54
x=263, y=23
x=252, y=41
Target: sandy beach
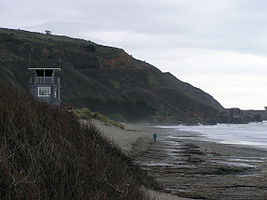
x=188, y=167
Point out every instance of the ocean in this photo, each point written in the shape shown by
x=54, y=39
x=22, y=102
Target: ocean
x=252, y=134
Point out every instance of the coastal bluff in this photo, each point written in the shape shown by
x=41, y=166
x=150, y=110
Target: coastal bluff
x=106, y=79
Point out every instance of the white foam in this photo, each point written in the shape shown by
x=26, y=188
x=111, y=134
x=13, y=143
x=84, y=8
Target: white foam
x=252, y=134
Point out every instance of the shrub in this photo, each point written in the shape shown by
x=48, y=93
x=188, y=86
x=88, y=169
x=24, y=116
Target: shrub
x=46, y=154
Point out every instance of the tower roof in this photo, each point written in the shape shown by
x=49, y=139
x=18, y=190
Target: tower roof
x=45, y=68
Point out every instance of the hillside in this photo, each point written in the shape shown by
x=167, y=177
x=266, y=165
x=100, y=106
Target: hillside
x=106, y=79
x=46, y=154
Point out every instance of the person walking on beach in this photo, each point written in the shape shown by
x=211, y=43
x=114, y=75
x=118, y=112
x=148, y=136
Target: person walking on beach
x=155, y=137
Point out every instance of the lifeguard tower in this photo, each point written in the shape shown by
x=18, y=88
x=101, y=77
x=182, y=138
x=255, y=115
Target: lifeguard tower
x=45, y=86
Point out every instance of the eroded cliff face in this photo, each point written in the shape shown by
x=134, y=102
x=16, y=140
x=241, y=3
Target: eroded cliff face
x=106, y=79
x=238, y=116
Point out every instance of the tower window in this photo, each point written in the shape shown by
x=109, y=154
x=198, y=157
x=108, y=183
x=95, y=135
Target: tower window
x=44, y=91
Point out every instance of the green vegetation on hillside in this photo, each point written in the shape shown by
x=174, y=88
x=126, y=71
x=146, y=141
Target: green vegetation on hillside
x=46, y=154
x=104, y=79
x=119, y=110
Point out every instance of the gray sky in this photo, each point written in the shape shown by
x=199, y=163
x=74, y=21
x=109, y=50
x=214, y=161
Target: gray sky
x=219, y=46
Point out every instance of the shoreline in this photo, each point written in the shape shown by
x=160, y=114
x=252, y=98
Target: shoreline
x=134, y=140
x=188, y=167
x=223, y=147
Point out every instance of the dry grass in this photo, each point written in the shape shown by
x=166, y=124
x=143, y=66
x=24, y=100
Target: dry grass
x=46, y=154
x=86, y=113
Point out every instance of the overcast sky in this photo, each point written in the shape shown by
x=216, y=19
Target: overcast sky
x=219, y=46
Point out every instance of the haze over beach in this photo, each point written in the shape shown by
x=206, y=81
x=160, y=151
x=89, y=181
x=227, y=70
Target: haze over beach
x=218, y=46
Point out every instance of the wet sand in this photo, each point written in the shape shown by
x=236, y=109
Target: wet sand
x=187, y=167
x=127, y=140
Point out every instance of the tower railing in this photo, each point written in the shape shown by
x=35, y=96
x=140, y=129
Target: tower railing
x=44, y=80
